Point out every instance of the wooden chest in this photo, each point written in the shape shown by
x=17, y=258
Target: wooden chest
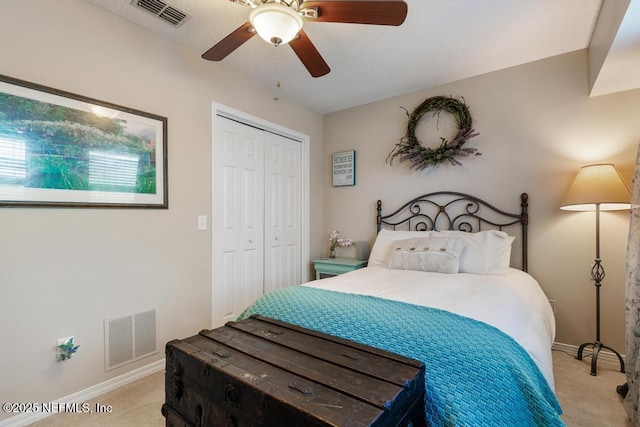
x=263, y=372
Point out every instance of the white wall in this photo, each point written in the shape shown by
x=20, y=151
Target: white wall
x=537, y=127
x=62, y=271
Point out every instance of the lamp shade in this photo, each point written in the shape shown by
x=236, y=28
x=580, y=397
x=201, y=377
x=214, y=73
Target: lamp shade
x=276, y=23
x=599, y=184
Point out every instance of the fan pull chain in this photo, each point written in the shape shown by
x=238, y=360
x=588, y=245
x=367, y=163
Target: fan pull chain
x=276, y=96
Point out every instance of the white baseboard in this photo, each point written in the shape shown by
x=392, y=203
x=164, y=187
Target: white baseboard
x=87, y=394
x=573, y=350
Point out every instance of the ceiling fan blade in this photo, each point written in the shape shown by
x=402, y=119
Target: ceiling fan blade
x=376, y=12
x=230, y=43
x=309, y=55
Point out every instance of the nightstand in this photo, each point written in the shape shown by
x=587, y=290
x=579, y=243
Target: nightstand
x=328, y=267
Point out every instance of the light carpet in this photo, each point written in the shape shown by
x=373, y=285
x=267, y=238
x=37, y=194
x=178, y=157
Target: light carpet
x=585, y=399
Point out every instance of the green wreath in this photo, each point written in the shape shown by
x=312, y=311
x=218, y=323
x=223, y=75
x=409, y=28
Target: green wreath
x=410, y=148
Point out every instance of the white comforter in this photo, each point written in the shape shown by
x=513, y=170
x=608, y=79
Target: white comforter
x=513, y=303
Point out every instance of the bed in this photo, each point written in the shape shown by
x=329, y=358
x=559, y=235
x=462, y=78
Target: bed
x=440, y=288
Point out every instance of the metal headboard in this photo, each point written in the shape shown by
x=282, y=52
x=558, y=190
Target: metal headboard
x=449, y=210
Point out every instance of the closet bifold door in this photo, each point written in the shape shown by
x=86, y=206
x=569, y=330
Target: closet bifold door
x=256, y=224
x=238, y=217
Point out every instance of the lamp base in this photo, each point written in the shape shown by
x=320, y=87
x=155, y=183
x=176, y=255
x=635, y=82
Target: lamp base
x=597, y=346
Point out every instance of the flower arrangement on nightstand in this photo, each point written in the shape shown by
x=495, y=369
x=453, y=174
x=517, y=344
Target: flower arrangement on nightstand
x=333, y=266
x=335, y=241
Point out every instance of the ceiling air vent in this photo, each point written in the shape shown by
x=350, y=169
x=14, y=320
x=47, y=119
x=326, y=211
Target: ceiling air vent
x=162, y=10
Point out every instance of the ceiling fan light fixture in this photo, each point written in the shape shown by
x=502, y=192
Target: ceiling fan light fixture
x=276, y=23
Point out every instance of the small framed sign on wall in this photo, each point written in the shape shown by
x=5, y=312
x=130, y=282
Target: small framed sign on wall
x=344, y=168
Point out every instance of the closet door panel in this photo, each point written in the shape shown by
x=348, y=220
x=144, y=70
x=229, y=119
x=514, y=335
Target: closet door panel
x=252, y=211
x=282, y=212
x=238, y=217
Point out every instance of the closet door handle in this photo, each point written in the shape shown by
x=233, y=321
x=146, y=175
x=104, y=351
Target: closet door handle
x=250, y=240
x=277, y=238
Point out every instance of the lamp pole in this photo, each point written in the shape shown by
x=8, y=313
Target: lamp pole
x=597, y=275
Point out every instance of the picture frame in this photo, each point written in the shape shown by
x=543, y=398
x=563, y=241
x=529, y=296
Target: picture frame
x=344, y=168
x=60, y=149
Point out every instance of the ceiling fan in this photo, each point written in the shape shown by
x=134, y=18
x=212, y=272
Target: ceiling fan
x=280, y=22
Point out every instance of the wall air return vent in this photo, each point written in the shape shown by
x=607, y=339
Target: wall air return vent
x=162, y=10
x=129, y=338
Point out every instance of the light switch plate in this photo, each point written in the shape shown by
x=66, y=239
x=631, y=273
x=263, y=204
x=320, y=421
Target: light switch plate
x=202, y=222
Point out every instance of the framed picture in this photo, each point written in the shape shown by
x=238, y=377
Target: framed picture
x=66, y=150
x=344, y=168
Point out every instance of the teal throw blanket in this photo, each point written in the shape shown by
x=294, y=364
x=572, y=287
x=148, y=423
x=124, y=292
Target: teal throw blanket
x=475, y=374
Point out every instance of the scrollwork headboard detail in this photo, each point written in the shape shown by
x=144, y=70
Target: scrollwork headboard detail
x=449, y=210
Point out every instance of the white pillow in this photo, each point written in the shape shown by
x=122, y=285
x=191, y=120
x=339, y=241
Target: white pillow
x=381, y=250
x=434, y=254
x=485, y=252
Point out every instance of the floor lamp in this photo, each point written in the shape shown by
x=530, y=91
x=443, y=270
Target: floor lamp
x=597, y=188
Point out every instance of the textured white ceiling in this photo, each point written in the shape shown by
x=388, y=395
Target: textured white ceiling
x=440, y=41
